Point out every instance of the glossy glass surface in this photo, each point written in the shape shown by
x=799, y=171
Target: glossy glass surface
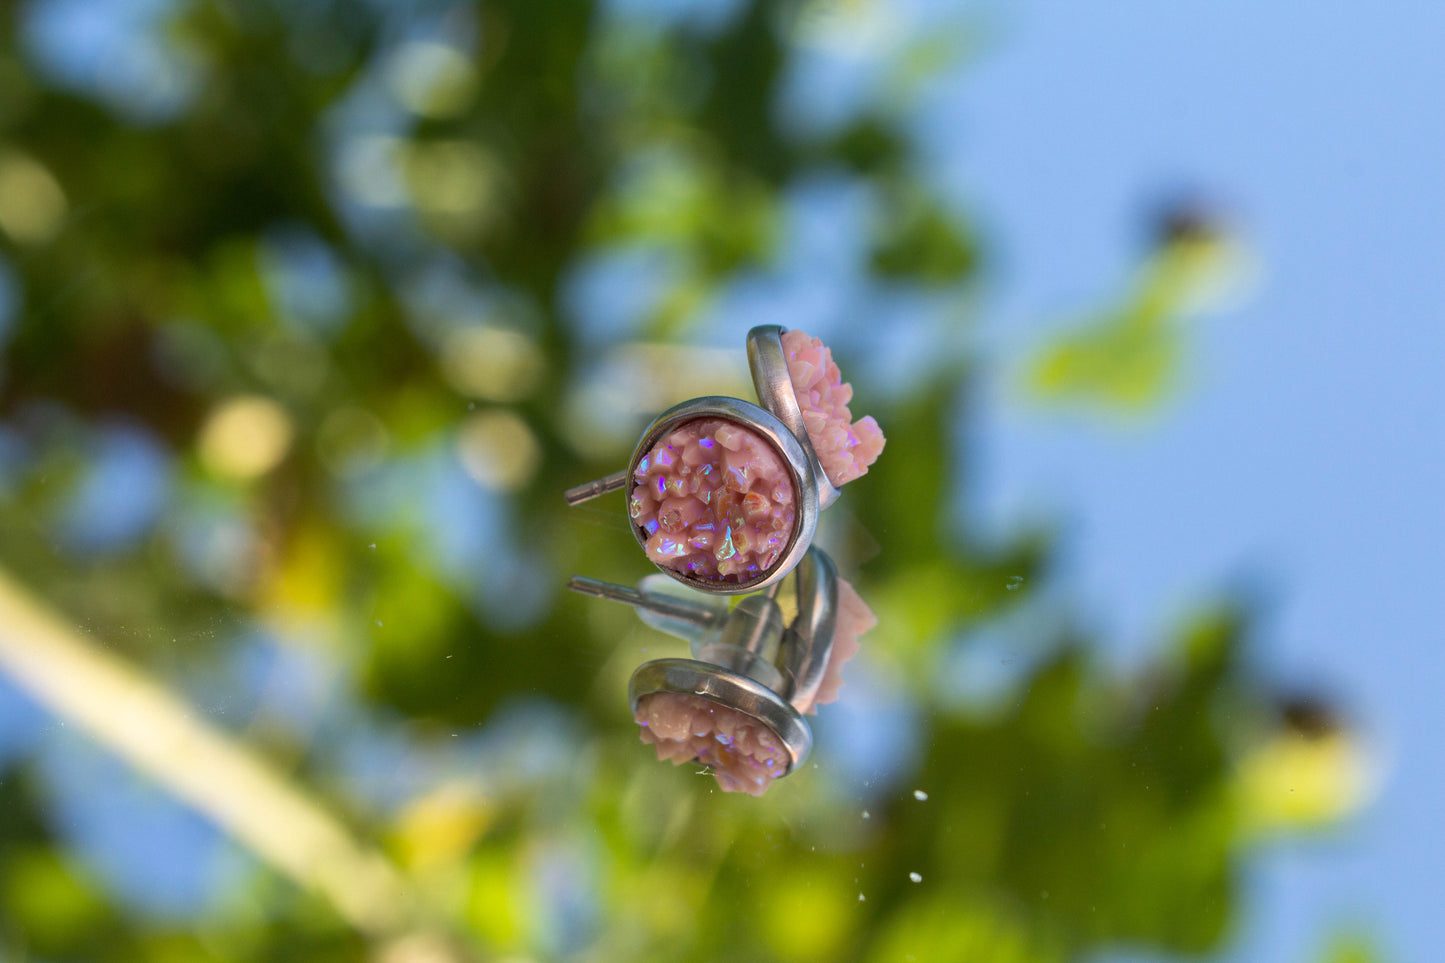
x=311, y=311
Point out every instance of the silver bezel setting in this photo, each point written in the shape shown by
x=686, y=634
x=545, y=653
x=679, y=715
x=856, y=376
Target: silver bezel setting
x=808, y=641
x=805, y=522
x=769, y=365
x=728, y=689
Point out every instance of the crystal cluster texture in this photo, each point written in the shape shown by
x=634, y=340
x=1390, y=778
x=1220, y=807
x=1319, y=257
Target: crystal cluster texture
x=846, y=448
x=742, y=753
x=714, y=501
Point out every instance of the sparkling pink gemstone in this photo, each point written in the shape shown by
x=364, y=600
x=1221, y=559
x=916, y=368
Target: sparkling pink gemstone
x=729, y=517
x=846, y=448
x=742, y=753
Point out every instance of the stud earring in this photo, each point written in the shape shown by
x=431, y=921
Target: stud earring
x=725, y=494
x=737, y=706
x=723, y=497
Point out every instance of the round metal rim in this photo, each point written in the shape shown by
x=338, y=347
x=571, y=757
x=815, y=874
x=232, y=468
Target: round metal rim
x=813, y=628
x=769, y=365
x=736, y=692
x=805, y=525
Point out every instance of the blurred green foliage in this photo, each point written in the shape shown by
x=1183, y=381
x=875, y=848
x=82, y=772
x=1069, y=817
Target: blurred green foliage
x=364, y=463
x=1129, y=357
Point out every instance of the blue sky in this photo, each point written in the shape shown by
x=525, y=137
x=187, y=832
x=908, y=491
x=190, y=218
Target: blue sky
x=1305, y=455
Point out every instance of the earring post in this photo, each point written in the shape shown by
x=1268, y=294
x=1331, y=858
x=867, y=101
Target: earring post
x=600, y=486
x=668, y=607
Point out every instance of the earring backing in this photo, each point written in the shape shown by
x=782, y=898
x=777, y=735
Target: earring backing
x=738, y=705
x=726, y=493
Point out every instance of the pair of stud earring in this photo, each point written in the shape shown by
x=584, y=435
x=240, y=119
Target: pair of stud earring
x=738, y=705
x=725, y=494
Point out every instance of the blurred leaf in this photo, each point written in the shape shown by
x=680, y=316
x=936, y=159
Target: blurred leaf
x=958, y=926
x=922, y=241
x=1129, y=358
x=52, y=908
x=1352, y=948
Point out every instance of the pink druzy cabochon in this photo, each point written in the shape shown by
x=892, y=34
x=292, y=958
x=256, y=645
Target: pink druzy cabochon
x=744, y=755
x=715, y=501
x=846, y=448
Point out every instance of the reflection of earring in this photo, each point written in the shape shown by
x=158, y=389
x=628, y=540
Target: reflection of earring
x=725, y=495
x=738, y=705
